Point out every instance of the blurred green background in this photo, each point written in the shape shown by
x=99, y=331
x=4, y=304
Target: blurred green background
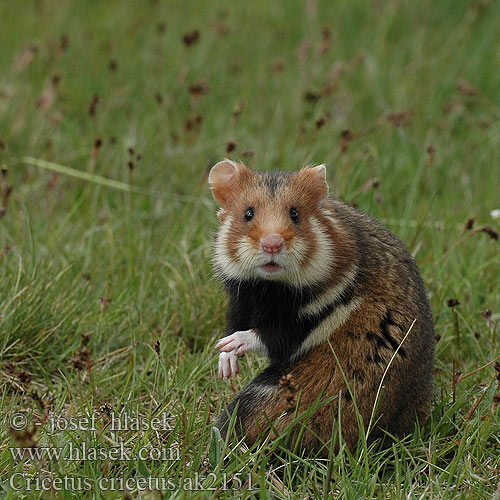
x=401, y=101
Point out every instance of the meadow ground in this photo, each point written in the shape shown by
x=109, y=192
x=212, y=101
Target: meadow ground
x=107, y=300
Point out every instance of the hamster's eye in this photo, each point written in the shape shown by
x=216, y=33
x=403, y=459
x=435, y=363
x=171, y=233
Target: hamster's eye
x=294, y=214
x=249, y=214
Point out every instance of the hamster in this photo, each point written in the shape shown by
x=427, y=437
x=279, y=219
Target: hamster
x=331, y=297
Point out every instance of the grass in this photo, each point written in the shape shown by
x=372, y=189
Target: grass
x=107, y=298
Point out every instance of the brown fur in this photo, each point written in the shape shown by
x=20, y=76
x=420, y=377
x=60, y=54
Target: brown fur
x=355, y=356
x=392, y=296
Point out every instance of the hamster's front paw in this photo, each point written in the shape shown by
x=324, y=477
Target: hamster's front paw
x=239, y=342
x=228, y=365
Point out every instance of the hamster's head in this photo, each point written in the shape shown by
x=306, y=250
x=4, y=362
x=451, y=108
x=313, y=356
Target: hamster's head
x=274, y=225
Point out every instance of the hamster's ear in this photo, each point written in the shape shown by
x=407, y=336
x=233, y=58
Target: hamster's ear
x=224, y=179
x=315, y=183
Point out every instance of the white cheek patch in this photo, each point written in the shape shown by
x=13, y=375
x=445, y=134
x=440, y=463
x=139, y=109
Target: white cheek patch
x=239, y=268
x=298, y=249
x=246, y=253
x=301, y=267
x=296, y=255
x=326, y=329
x=312, y=269
x=222, y=260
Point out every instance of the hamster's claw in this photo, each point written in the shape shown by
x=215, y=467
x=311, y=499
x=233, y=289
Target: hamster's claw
x=240, y=342
x=228, y=365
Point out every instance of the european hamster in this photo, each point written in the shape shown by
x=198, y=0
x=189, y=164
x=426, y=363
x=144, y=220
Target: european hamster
x=328, y=294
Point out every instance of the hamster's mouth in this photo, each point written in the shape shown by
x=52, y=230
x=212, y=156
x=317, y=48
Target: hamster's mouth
x=271, y=267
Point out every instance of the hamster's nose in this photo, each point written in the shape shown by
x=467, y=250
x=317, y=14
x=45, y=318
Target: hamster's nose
x=272, y=243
